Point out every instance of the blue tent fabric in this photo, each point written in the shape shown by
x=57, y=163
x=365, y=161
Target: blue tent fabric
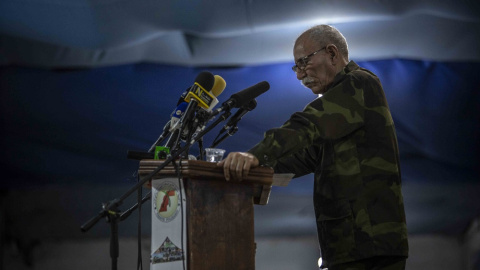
x=76, y=126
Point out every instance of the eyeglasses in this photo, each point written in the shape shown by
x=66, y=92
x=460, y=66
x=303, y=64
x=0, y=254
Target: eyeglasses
x=302, y=62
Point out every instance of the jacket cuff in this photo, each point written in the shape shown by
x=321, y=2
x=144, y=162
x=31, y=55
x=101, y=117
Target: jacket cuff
x=262, y=155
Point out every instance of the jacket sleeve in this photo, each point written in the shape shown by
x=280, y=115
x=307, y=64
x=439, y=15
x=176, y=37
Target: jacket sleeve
x=300, y=163
x=339, y=112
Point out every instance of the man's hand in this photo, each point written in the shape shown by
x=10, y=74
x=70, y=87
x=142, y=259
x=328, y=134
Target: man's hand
x=237, y=165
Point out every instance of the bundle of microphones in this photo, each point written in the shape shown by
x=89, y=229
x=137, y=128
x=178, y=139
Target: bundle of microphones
x=196, y=108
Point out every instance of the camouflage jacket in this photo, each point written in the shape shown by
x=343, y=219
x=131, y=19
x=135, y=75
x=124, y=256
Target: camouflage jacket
x=347, y=139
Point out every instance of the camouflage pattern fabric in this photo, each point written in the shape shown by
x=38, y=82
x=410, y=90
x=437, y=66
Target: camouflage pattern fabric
x=347, y=139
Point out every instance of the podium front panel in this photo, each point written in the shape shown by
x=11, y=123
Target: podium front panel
x=220, y=225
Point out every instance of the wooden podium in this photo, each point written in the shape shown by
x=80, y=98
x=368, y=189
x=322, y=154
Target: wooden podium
x=219, y=214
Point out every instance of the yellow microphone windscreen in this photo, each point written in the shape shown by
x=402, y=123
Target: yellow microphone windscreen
x=218, y=86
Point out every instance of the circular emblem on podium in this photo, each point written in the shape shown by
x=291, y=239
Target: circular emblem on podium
x=166, y=201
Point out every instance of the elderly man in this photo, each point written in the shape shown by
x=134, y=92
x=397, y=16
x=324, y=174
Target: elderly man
x=346, y=137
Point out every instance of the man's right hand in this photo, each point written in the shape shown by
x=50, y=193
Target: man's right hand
x=237, y=165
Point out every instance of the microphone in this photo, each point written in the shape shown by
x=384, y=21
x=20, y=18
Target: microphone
x=205, y=80
x=177, y=114
x=239, y=114
x=218, y=87
x=198, y=95
x=203, y=116
x=241, y=98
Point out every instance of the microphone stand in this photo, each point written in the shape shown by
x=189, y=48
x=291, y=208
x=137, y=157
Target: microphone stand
x=110, y=209
x=200, y=149
x=230, y=132
x=127, y=213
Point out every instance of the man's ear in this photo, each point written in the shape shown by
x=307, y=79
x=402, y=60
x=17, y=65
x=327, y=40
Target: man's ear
x=333, y=54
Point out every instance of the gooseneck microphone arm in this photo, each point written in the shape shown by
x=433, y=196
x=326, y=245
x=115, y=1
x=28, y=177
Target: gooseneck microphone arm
x=184, y=121
x=230, y=132
x=231, y=126
x=163, y=136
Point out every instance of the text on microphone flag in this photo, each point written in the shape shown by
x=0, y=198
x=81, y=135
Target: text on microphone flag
x=203, y=97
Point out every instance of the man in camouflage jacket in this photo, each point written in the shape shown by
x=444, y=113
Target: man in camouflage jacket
x=347, y=139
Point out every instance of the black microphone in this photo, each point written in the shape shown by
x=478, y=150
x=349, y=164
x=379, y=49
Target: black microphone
x=239, y=114
x=241, y=98
x=203, y=80
x=217, y=88
x=198, y=95
x=200, y=90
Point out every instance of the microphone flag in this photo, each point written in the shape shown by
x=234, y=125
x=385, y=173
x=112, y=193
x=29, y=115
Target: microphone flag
x=203, y=97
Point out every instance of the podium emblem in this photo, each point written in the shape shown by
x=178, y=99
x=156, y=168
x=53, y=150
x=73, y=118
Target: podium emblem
x=167, y=201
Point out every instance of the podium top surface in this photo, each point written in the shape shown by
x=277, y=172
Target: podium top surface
x=262, y=178
x=200, y=169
